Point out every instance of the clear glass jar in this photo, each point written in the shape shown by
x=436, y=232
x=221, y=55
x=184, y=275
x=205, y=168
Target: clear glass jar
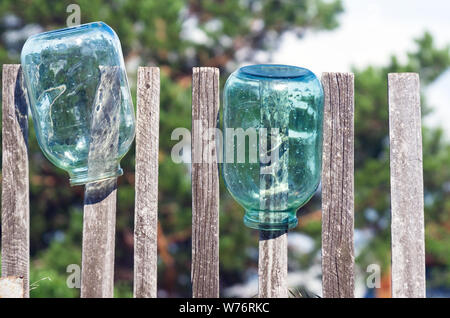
x=80, y=100
x=272, y=127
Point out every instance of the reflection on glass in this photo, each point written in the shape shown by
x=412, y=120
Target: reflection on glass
x=272, y=142
x=80, y=100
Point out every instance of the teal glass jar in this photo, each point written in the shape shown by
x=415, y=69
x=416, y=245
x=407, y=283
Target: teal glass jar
x=80, y=100
x=272, y=148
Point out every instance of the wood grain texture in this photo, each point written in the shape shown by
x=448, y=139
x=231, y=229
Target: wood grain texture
x=337, y=186
x=407, y=227
x=205, y=184
x=273, y=264
x=146, y=187
x=99, y=223
x=97, y=270
x=15, y=189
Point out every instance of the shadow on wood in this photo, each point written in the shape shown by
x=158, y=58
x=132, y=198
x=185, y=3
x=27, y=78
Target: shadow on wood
x=269, y=235
x=98, y=191
x=21, y=103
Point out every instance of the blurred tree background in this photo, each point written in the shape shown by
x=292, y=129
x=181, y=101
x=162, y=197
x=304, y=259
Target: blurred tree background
x=177, y=35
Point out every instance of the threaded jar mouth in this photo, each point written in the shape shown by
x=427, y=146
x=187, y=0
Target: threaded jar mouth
x=270, y=221
x=83, y=176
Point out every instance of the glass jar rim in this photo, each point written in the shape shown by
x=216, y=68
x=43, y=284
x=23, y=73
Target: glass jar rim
x=75, y=28
x=275, y=71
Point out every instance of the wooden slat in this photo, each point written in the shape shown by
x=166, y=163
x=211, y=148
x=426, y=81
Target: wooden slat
x=272, y=265
x=407, y=228
x=146, y=209
x=337, y=186
x=97, y=276
x=205, y=184
x=15, y=189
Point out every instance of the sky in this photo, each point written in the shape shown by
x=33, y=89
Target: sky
x=371, y=31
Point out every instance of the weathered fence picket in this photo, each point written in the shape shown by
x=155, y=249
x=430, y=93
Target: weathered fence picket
x=99, y=222
x=273, y=264
x=408, y=252
x=337, y=186
x=407, y=228
x=146, y=184
x=205, y=183
x=99, y=228
x=15, y=186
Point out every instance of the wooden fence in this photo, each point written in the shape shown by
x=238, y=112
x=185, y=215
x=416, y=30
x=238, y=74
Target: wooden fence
x=408, y=252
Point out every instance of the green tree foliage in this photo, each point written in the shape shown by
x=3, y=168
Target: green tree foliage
x=160, y=33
